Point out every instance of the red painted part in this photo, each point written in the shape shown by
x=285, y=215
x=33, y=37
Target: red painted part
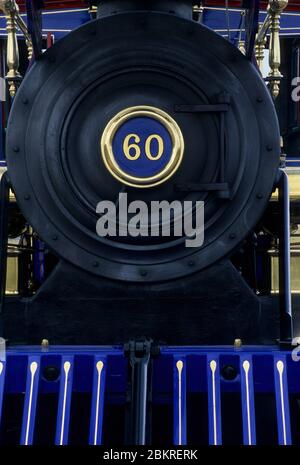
x=49, y=40
x=58, y=4
x=293, y=5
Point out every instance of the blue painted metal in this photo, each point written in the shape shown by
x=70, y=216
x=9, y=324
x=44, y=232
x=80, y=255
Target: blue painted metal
x=98, y=391
x=56, y=22
x=179, y=401
x=282, y=400
x=215, y=18
x=64, y=403
x=214, y=400
x=293, y=162
x=31, y=395
x=247, y=396
x=178, y=373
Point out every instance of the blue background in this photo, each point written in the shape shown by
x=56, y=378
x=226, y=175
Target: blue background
x=142, y=127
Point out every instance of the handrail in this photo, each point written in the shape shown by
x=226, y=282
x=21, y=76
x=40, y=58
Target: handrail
x=272, y=24
x=14, y=21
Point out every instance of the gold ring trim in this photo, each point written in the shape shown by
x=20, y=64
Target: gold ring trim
x=176, y=137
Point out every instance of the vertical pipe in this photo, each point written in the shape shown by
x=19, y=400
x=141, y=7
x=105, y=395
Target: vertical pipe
x=286, y=323
x=139, y=399
x=179, y=401
x=64, y=402
x=214, y=400
x=30, y=403
x=282, y=401
x=4, y=200
x=247, y=398
x=97, y=407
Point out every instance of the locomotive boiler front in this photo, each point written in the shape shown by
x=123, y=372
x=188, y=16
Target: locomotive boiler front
x=152, y=104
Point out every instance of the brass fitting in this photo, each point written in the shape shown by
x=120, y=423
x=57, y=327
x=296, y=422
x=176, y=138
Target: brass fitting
x=13, y=22
x=275, y=8
x=272, y=23
x=237, y=343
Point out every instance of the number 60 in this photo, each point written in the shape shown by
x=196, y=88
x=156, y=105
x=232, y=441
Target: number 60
x=129, y=146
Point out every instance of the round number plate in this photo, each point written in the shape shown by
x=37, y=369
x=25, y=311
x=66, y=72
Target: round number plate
x=142, y=146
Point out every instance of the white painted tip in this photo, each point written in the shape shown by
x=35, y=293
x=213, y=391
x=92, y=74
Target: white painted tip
x=67, y=366
x=179, y=365
x=99, y=366
x=33, y=367
x=213, y=365
x=280, y=366
x=246, y=365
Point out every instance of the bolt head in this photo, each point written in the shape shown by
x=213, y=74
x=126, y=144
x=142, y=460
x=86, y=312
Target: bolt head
x=237, y=343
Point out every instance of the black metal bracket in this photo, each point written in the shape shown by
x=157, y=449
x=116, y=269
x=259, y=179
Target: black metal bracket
x=213, y=108
x=251, y=25
x=220, y=107
x=4, y=201
x=139, y=352
x=285, y=301
x=34, y=20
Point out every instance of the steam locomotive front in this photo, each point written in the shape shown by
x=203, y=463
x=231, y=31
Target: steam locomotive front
x=152, y=104
x=142, y=149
